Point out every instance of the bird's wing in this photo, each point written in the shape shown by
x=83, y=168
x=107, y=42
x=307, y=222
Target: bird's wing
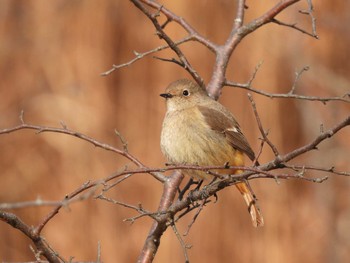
x=219, y=122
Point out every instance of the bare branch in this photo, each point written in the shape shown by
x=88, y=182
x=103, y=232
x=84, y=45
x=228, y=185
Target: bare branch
x=182, y=22
x=315, y=168
x=262, y=131
x=171, y=60
x=123, y=140
x=255, y=72
x=294, y=26
x=107, y=187
x=38, y=240
x=167, y=208
x=297, y=77
x=171, y=210
x=310, y=12
x=159, y=227
x=98, y=252
x=161, y=33
x=142, y=212
x=324, y=100
x=39, y=202
x=223, y=53
x=238, y=22
x=199, y=210
x=313, y=145
x=175, y=180
x=182, y=243
x=290, y=94
x=41, y=129
x=139, y=56
x=153, y=239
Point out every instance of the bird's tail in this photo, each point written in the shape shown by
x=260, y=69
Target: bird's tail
x=251, y=201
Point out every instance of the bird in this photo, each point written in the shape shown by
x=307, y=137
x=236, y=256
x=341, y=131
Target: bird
x=198, y=130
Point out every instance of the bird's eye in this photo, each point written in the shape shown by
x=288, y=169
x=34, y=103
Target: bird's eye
x=185, y=92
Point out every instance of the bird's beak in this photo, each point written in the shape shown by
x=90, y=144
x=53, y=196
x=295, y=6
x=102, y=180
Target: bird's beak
x=166, y=95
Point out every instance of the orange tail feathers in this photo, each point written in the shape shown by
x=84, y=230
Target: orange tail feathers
x=253, y=208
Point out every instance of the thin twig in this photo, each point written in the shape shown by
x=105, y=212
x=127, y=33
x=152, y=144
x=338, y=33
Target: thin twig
x=315, y=168
x=137, y=208
x=40, y=244
x=199, y=210
x=139, y=56
x=193, y=33
x=107, y=187
x=324, y=100
x=123, y=140
x=263, y=133
x=262, y=143
x=290, y=94
x=293, y=26
x=297, y=77
x=313, y=144
x=255, y=72
x=41, y=203
x=98, y=252
x=182, y=243
x=171, y=60
x=161, y=33
x=310, y=12
x=41, y=129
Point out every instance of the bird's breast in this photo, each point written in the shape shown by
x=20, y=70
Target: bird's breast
x=186, y=138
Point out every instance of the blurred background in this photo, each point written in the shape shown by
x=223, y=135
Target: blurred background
x=51, y=56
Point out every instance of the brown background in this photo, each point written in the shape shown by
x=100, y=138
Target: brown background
x=51, y=55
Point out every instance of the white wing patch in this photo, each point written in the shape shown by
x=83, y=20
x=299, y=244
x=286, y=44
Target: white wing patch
x=234, y=129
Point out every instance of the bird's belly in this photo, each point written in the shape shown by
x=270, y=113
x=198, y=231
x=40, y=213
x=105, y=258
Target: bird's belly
x=201, y=146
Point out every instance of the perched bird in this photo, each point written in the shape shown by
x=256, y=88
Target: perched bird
x=198, y=130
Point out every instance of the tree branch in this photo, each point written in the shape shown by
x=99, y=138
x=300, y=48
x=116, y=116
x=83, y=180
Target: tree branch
x=324, y=100
x=158, y=227
x=193, y=33
x=65, y=130
x=167, y=207
x=38, y=240
x=313, y=144
x=170, y=210
x=262, y=131
x=223, y=53
x=161, y=33
x=293, y=26
x=139, y=56
x=290, y=94
x=40, y=203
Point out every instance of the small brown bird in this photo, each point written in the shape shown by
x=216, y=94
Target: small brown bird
x=198, y=130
